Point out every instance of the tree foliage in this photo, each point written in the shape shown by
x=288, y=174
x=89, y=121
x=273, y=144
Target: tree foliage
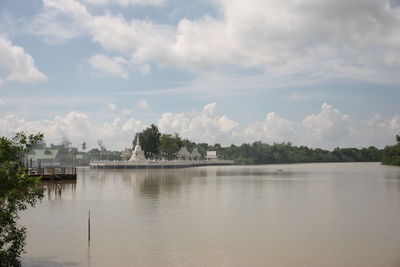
x=17, y=192
x=101, y=145
x=262, y=153
x=391, y=154
x=83, y=146
x=149, y=141
x=98, y=154
x=169, y=146
x=157, y=145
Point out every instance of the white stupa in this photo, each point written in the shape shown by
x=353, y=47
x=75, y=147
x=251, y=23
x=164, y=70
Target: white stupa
x=137, y=153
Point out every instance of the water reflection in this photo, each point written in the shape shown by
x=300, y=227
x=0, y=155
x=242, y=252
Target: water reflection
x=154, y=181
x=150, y=182
x=257, y=172
x=275, y=215
x=49, y=262
x=56, y=189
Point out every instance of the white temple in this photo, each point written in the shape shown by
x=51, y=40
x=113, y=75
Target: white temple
x=137, y=153
x=195, y=155
x=211, y=155
x=183, y=154
x=126, y=154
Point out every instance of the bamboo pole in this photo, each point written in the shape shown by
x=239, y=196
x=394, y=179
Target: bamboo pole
x=89, y=227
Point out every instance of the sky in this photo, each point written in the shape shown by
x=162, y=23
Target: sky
x=321, y=73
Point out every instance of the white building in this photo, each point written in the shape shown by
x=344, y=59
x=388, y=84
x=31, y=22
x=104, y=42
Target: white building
x=138, y=153
x=126, y=154
x=195, y=155
x=43, y=158
x=183, y=154
x=211, y=155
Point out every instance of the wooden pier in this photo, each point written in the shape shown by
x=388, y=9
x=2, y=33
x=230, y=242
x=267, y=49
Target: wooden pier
x=53, y=173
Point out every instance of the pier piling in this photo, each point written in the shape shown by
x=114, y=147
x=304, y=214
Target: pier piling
x=89, y=226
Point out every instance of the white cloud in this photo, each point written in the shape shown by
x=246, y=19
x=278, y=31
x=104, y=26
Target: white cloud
x=25, y=107
x=329, y=125
x=119, y=133
x=144, y=69
x=395, y=123
x=204, y=126
x=16, y=64
x=132, y=126
x=2, y=102
x=112, y=107
x=127, y=2
x=327, y=129
x=51, y=29
x=273, y=129
x=126, y=111
x=358, y=40
x=173, y=122
x=74, y=125
x=377, y=131
x=113, y=66
x=142, y=105
x=77, y=127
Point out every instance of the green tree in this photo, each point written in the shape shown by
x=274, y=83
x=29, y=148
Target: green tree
x=84, y=146
x=168, y=146
x=202, y=148
x=188, y=144
x=64, y=155
x=261, y=153
x=65, y=142
x=40, y=145
x=94, y=154
x=391, y=154
x=149, y=141
x=101, y=145
x=17, y=192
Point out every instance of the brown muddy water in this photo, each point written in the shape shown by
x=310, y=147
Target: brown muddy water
x=337, y=214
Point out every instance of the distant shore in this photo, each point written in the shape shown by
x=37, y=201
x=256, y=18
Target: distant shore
x=157, y=164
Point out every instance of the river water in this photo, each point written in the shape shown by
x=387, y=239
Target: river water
x=337, y=214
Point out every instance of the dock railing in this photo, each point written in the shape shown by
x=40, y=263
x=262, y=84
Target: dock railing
x=53, y=173
x=52, y=170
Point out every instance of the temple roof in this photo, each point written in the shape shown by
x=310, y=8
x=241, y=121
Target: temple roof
x=138, y=147
x=195, y=153
x=37, y=154
x=183, y=152
x=126, y=153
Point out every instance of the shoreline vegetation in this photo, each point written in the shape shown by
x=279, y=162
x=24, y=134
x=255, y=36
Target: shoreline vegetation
x=159, y=146
x=391, y=154
x=18, y=191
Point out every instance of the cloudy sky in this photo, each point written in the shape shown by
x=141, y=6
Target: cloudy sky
x=322, y=73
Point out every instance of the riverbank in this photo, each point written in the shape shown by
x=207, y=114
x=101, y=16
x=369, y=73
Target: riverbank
x=173, y=164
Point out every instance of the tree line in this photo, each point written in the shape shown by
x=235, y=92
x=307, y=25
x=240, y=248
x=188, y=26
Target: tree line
x=391, y=154
x=262, y=153
x=159, y=145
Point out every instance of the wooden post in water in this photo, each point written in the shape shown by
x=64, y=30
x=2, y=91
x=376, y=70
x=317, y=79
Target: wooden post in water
x=89, y=227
